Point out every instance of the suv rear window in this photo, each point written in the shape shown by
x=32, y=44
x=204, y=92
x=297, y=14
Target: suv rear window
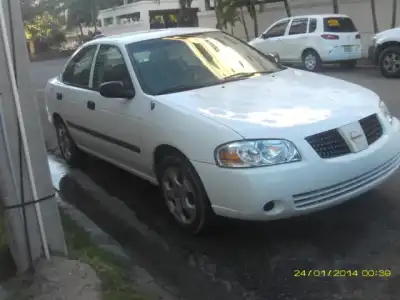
x=339, y=25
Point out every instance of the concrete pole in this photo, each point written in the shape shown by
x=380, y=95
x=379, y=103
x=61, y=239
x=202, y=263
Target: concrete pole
x=24, y=170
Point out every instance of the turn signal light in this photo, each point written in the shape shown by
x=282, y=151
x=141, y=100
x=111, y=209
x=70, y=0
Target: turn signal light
x=330, y=37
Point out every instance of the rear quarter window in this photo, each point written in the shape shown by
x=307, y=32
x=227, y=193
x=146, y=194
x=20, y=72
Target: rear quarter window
x=339, y=25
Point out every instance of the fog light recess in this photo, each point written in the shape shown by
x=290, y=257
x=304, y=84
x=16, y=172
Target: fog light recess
x=269, y=206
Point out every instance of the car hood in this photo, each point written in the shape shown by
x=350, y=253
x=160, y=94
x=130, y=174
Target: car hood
x=389, y=32
x=286, y=104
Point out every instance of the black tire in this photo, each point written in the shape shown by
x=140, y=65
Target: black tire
x=349, y=64
x=311, y=55
x=75, y=157
x=385, y=59
x=204, y=213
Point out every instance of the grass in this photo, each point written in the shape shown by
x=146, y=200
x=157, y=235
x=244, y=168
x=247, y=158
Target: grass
x=112, y=271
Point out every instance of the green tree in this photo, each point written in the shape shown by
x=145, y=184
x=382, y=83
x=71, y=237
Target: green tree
x=335, y=5
x=374, y=20
x=228, y=13
x=287, y=8
x=394, y=13
x=41, y=24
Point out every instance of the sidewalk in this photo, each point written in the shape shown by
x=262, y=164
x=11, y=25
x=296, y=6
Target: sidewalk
x=97, y=268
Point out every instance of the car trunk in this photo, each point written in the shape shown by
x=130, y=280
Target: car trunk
x=341, y=29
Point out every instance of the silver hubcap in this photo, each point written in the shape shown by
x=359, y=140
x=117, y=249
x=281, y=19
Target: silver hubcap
x=391, y=63
x=64, y=142
x=310, y=61
x=179, y=196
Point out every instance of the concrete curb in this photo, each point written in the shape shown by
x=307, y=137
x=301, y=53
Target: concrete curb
x=194, y=278
x=145, y=283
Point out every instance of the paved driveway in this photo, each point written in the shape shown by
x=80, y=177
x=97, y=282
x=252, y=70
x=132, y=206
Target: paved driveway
x=43, y=70
x=262, y=258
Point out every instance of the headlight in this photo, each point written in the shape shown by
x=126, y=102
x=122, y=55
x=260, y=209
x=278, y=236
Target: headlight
x=374, y=41
x=386, y=112
x=256, y=153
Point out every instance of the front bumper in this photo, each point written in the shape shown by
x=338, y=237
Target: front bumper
x=302, y=187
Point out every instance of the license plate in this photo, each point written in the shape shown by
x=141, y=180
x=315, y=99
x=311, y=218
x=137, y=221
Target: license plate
x=348, y=48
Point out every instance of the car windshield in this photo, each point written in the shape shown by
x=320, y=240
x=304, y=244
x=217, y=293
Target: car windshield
x=342, y=24
x=187, y=62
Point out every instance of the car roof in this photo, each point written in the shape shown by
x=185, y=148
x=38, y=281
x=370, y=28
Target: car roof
x=323, y=16
x=137, y=36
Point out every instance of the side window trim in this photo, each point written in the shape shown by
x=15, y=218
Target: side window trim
x=123, y=59
x=287, y=30
x=91, y=67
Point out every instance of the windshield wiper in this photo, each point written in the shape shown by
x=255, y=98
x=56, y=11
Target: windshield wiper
x=246, y=74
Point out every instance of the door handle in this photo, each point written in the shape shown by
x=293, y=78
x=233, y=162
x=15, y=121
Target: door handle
x=59, y=96
x=91, y=105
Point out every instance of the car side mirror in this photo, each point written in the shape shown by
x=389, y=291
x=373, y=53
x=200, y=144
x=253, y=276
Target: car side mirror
x=264, y=36
x=116, y=89
x=274, y=56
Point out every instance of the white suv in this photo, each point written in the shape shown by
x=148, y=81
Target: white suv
x=313, y=40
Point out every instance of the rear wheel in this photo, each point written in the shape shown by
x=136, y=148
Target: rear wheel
x=184, y=193
x=311, y=61
x=69, y=151
x=350, y=64
x=389, y=62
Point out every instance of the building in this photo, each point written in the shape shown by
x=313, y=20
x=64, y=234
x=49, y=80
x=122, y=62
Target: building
x=133, y=16
x=148, y=14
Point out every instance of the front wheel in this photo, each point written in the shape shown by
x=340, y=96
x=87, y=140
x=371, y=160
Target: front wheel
x=311, y=61
x=184, y=194
x=389, y=62
x=69, y=151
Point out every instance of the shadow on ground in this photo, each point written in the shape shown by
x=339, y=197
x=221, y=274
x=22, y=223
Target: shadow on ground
x=263, y=257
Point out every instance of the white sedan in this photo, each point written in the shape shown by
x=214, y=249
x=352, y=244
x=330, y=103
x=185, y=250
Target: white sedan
x=221, y=128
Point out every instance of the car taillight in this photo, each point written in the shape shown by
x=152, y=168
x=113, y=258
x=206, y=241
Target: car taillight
x=358, y=36
x=330, y=36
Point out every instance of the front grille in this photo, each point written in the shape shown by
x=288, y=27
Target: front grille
x=372, y=128
x=328, y=144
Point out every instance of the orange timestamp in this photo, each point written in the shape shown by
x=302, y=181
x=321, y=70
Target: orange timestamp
x=382, y=273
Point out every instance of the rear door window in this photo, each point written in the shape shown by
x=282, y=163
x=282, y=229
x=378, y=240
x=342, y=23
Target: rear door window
x=299, y=26
x=339, y=24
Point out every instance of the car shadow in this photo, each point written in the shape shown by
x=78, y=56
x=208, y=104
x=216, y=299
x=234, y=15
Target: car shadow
x=261, y=256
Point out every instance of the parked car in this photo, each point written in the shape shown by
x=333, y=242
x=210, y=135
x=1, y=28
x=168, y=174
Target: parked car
x=222, y=128
x=313, y=41
x=385, y=52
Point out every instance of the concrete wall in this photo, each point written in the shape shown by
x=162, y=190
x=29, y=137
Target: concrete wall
x=358, y=10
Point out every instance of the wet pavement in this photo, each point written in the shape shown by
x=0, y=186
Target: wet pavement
x=260, y=260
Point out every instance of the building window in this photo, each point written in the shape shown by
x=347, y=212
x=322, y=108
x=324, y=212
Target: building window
x=108, y=21
x=209, y=4
x=129, y=18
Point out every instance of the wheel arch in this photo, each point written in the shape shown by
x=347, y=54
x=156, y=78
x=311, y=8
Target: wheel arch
x=56, y=118
x=162, y=151
x=306, y=50
x=384, y=46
